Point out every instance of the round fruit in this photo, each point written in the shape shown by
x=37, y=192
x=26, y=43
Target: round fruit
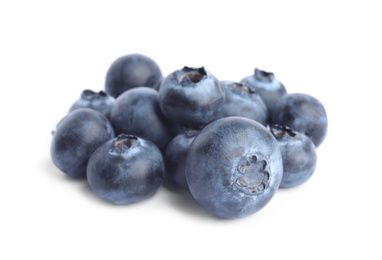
x=76, y=137
x=268, y=87
x=302, y=113
x=175, y=157
x=101, y=102
x=131, y=71
x=234, y=167
x=137, y=112
x=191, y=97
x=243, y=100
x=125, y=170
x=299, y=156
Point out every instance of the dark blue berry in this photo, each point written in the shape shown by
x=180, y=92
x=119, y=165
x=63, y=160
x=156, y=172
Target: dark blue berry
x=76, y=137
x=175, y=157
x=131, y=71
x=234, y=167
x=137, y=112
x=302, y=113
x=101, y=102
x=298, y=153
x=242, y=100
x=191, y=97
x=125, y=170
x=267, y=86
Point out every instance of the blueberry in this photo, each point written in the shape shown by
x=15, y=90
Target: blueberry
x=267, y=86
x=191, y=97
x=125, y=170
x=234, y=167
x=101, y=102
x=243, y=100
x=76, y=137
x=298, y=153
x=137, y=112
x=302, y=113
x=131, y=71
x=175, y=158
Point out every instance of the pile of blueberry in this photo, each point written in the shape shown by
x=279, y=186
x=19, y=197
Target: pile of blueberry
x=231, y=144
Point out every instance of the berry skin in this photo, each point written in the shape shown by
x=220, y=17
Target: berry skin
x=125, y=170
x=299, y=156
x=267, y=86
x=302, y=113
x=243, y=100
x=191, y=97
x=137, y=112
x=175, y=158
x=234, y=167
x=101, y=102
x=77, y=136
x=131, y=71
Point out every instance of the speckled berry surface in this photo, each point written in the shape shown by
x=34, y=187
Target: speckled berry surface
x=76, y=137
x=234, y=167
x=303, y=113
x=125, y=170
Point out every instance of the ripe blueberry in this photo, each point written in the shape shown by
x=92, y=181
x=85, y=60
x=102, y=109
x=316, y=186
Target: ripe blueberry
x=302, y=113
x=267, y=86
x=125, y=170
x=101, y=102
x=137, y=112
x=131, y=71
x=76, y=137
x=191, y=97
x=234, y=167
x=243, y=100
x=175, y=157
x=298, y=153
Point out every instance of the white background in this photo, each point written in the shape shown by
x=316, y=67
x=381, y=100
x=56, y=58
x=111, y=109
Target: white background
x=52, y=50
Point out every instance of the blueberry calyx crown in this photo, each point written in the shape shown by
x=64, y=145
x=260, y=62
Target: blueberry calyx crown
x=190, y=132
x=122, y=143
x=91, y=95
x=254, y=175
x=279, y=131
x=189, y=76
x=264, y=76
x=239, y=87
